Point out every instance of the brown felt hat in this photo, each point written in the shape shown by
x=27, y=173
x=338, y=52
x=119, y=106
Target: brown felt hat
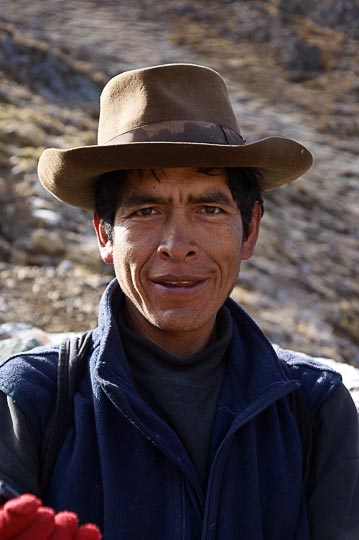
x=175, y=115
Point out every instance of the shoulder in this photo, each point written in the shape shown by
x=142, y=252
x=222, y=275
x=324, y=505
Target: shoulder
x=30, y=379
x=318, y=378
x=37, y=365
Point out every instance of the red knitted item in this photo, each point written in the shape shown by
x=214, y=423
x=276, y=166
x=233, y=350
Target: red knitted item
x=23, y=518
x=88, y=532
x=66, y=526
x=16, y=514
x=40, y=527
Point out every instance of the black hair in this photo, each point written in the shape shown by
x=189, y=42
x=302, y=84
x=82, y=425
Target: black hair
x=244, y=184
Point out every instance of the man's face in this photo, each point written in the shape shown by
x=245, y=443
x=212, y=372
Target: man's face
x=176, y=249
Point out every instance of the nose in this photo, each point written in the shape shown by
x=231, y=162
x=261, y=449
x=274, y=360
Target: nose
x=177, y=242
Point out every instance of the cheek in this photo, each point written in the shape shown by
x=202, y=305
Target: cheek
x=122, y=250
x=131, y=252
x=125, y=257
x=231, y=263
x=228, y=247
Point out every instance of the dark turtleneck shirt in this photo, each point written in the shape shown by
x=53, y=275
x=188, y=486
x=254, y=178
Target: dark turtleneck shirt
x=182, y=390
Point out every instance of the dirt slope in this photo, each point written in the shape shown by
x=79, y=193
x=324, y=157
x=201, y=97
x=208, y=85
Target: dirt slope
x=291, y=72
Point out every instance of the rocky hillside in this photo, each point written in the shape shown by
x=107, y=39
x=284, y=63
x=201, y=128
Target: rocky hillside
x=291, y=72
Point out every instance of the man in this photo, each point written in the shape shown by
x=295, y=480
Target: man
x=185, y=424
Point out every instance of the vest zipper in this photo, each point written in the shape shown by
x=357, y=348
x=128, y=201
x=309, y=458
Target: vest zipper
x=211, y=506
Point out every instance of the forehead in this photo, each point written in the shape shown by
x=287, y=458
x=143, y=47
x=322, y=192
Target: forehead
x=189, y=178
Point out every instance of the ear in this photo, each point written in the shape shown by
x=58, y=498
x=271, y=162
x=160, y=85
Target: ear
x=250, y=242
x=104, y=244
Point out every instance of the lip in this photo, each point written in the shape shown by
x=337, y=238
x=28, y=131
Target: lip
x=171, y=280
x=179, y=285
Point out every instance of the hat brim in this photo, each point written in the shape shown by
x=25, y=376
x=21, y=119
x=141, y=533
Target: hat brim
x=69, y=175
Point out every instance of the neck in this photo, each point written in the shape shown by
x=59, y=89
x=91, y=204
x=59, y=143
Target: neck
x=177, y=343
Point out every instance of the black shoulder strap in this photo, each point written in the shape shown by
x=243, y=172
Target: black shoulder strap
x=303, y=416
x=70, y=370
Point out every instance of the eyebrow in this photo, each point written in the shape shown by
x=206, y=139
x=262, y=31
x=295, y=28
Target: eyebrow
x=140, y=200
x=216, y=197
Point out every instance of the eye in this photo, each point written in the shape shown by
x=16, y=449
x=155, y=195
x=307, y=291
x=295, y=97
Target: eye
x=144, y=212
x=210, y=210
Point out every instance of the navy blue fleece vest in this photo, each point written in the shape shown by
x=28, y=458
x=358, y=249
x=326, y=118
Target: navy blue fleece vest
x=122, y=467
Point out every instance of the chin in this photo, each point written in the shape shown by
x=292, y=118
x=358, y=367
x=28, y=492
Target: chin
x=186, y=321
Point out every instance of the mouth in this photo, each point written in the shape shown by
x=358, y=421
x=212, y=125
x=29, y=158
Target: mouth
x=182, y=283
x=178, y=282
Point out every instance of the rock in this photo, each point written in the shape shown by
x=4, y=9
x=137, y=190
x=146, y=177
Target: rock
x=302, y=60
x=5, y=249
x=47, y=216
x=20, y=337
x=330, y=13
x=52, y=73
x=13, y=205
x=292, y=6
x=342, y=15
x=45, y=242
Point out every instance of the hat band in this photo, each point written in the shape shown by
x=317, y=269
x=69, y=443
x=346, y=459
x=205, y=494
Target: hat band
x=180, y=131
